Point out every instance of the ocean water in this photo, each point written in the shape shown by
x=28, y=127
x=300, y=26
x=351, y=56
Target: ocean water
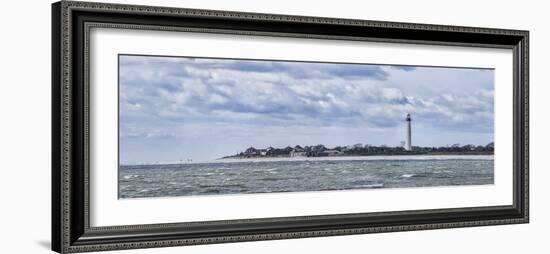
x=295, y=175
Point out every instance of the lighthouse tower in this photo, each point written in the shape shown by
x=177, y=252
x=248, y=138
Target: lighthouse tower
x=408, y=145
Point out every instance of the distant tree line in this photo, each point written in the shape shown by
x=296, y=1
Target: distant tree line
x=362, y=150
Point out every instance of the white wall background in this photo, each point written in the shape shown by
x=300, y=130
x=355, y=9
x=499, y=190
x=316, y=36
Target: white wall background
x=25, y=126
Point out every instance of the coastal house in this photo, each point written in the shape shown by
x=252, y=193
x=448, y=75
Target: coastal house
x=358, y=146
x=251, y=151
x=328, y=153
x=287, y=150
x=318, y=148
x=469, y=147
x=298, y=151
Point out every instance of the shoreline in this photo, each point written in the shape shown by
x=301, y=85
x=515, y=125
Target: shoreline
x=359, y=158
x=334, y=158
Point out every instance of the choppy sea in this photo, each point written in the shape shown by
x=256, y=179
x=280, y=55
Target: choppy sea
x=303, y=174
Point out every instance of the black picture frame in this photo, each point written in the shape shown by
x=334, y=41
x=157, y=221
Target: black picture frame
x=71, y=231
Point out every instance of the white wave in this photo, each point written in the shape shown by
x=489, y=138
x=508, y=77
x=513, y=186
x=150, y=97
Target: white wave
x=407, y=175
x=129, y=176
x=376, y=185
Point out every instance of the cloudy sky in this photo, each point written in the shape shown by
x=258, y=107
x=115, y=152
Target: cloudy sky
x=178, y=108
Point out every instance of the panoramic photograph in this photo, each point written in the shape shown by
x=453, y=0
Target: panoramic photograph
x=191, y=126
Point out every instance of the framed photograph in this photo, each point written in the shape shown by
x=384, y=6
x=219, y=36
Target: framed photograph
x=182, y=126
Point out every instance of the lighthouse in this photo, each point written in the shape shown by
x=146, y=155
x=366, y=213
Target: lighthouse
x=408, y=145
